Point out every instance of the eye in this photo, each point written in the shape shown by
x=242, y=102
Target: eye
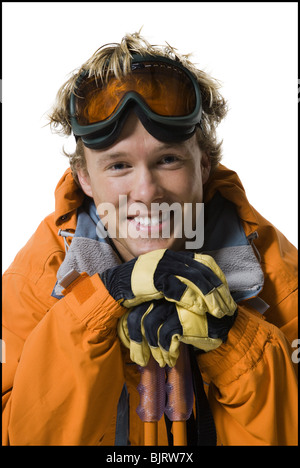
x=118, y=166
x=169, y=159
x=172, y=161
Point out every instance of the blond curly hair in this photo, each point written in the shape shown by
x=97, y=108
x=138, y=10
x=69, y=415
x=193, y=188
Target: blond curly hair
x=118, y=55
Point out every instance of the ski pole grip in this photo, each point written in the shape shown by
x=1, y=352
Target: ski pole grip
x=179, y=388
x=152, y=392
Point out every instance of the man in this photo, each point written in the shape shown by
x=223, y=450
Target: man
x=100, y=287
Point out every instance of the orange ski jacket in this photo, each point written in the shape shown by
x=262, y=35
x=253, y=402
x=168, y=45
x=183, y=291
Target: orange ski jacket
x=65, y=366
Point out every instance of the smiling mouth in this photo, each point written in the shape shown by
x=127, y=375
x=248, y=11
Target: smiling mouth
x=155, y=225
x=149, y=221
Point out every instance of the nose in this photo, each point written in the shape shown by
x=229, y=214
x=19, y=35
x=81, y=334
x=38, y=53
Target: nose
x=146, y=187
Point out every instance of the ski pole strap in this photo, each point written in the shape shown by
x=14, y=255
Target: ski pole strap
x=205, y=425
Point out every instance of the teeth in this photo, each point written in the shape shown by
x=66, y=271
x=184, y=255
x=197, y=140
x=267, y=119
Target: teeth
x=153, y=221
x=146, y=221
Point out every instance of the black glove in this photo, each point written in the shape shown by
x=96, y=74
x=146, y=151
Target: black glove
x=193, y=281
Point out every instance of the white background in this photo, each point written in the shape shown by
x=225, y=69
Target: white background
x=250, y=47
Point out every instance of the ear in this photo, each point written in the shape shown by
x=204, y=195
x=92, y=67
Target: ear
x=85, y=182
x=205, y=167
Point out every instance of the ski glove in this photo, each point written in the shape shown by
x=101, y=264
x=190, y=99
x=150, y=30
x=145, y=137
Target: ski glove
x=193, y=281
x=158, y=327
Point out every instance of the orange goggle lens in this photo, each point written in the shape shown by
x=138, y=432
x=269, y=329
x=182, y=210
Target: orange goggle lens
x=165, y=89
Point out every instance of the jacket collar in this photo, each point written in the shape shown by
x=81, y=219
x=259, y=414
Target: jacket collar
x=68, y=197
x=228, y=184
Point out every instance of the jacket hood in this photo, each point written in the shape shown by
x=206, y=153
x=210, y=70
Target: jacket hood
x=68, y=196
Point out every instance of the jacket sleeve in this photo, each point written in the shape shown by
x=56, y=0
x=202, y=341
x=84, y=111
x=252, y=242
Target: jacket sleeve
x=58, y=384
x=253, y=387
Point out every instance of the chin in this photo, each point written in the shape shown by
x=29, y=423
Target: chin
x=141, y=247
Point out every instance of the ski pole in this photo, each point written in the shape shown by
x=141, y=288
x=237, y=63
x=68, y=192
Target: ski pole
x=179, y=388
x=152, y=399
x=153, y=390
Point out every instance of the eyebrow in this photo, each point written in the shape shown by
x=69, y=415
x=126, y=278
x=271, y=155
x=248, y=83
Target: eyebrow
x=166, y=145
x=119, y=154
x=112, y=156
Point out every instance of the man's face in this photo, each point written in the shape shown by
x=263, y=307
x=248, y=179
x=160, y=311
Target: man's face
x=150, y=176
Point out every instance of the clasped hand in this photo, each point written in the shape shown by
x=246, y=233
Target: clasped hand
x=172, y=297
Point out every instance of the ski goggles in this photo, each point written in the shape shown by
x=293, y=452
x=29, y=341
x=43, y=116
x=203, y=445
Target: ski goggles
x=162, y=92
